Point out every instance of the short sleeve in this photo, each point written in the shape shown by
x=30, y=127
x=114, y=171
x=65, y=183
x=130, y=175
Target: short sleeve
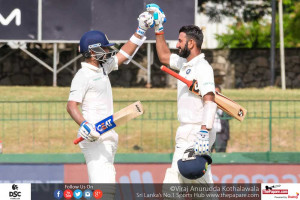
x=79, y=87
x=176, y=62
x=206, y=80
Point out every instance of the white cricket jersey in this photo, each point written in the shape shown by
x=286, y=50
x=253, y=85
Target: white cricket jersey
x=91, y=87
x=190, y=106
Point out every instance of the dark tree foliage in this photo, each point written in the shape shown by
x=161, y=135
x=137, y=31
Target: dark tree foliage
x=250, y=30
x=242, y=10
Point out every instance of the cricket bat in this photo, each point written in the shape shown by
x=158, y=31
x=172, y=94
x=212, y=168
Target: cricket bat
x=121, y=117
x=227, y=105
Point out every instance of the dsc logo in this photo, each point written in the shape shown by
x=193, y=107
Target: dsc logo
x=15, y=193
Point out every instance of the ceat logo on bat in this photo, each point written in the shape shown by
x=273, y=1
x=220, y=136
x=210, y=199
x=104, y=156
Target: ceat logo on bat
x=98, y=194
x=105, y=125
x=68, y=194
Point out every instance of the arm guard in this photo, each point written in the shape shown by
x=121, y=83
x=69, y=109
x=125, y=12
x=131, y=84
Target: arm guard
x=209, y=111
x=136, y=41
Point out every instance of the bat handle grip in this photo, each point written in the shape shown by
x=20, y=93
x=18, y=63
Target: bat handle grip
x=174, y=74
x=78, y=140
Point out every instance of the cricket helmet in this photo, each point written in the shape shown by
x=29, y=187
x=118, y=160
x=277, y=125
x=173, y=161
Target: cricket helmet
x=93, y=41
x=193, y=166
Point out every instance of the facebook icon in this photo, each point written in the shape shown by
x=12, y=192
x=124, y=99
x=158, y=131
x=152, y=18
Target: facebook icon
x=58, y=194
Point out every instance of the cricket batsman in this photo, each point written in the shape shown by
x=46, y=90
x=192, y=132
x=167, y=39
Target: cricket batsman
x=91, y=90
x=196, y=113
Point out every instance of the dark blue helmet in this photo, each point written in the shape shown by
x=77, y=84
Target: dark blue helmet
x=193, y=166
x=94, y=41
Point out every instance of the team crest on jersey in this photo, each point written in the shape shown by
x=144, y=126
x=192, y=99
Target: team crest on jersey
x=188, y=71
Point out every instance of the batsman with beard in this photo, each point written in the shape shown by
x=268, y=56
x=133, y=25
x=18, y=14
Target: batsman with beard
x=195, y=113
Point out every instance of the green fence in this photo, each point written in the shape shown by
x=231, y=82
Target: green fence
x=46, y=127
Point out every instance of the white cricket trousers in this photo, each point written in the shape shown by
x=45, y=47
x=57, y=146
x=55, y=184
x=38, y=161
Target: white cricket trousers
x=185, y=136
x=99, y=158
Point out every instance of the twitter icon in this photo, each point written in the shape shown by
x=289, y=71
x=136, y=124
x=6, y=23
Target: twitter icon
x=77, y=194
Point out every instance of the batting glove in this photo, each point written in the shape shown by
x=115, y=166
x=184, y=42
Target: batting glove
x=158, y=15
x=201, y=145
x=88, y=132
x=146, y=21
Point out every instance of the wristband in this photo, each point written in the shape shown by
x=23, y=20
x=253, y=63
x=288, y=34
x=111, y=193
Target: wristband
x=140, y=31
x=204, y=131
x=137, y=41
x=82, y=123
x=159, y=33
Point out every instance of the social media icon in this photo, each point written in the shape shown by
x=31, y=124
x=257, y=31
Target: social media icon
x=58, y=194
x=88, y=194
x=68, y=194
x=77, y=194
x=98, y=194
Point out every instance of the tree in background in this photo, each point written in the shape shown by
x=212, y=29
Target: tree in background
x=292, y=27
x=246, y=35
x=252, y=29
x=241, y=10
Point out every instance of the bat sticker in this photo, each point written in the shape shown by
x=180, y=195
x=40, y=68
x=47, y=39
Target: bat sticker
x=105, y=125
x=241, y=113
x=138, y=109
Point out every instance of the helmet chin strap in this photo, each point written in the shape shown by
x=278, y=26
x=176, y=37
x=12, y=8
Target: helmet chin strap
x=101, y=65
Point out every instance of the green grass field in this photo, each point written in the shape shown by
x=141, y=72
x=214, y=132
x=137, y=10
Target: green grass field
x=61, y=94
x=45, y=127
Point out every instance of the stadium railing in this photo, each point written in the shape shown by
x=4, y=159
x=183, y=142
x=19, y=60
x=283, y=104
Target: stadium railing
x=46, y=127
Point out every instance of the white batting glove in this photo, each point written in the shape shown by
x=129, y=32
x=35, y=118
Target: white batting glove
x=201, y=145
x=158, y=15
x=88, y=132
x=146, y=21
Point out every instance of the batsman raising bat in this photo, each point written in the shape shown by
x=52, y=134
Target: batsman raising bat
x=196, y=113
x=91, y=89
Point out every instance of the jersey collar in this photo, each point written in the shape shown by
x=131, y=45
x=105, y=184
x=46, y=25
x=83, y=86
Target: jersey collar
x=91, y=67
x=194, y=60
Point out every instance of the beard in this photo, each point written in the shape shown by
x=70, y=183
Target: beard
x=185, y=52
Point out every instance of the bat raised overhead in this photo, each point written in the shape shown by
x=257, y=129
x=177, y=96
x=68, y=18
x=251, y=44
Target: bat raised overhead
x=227, y=105
x=121, y=117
